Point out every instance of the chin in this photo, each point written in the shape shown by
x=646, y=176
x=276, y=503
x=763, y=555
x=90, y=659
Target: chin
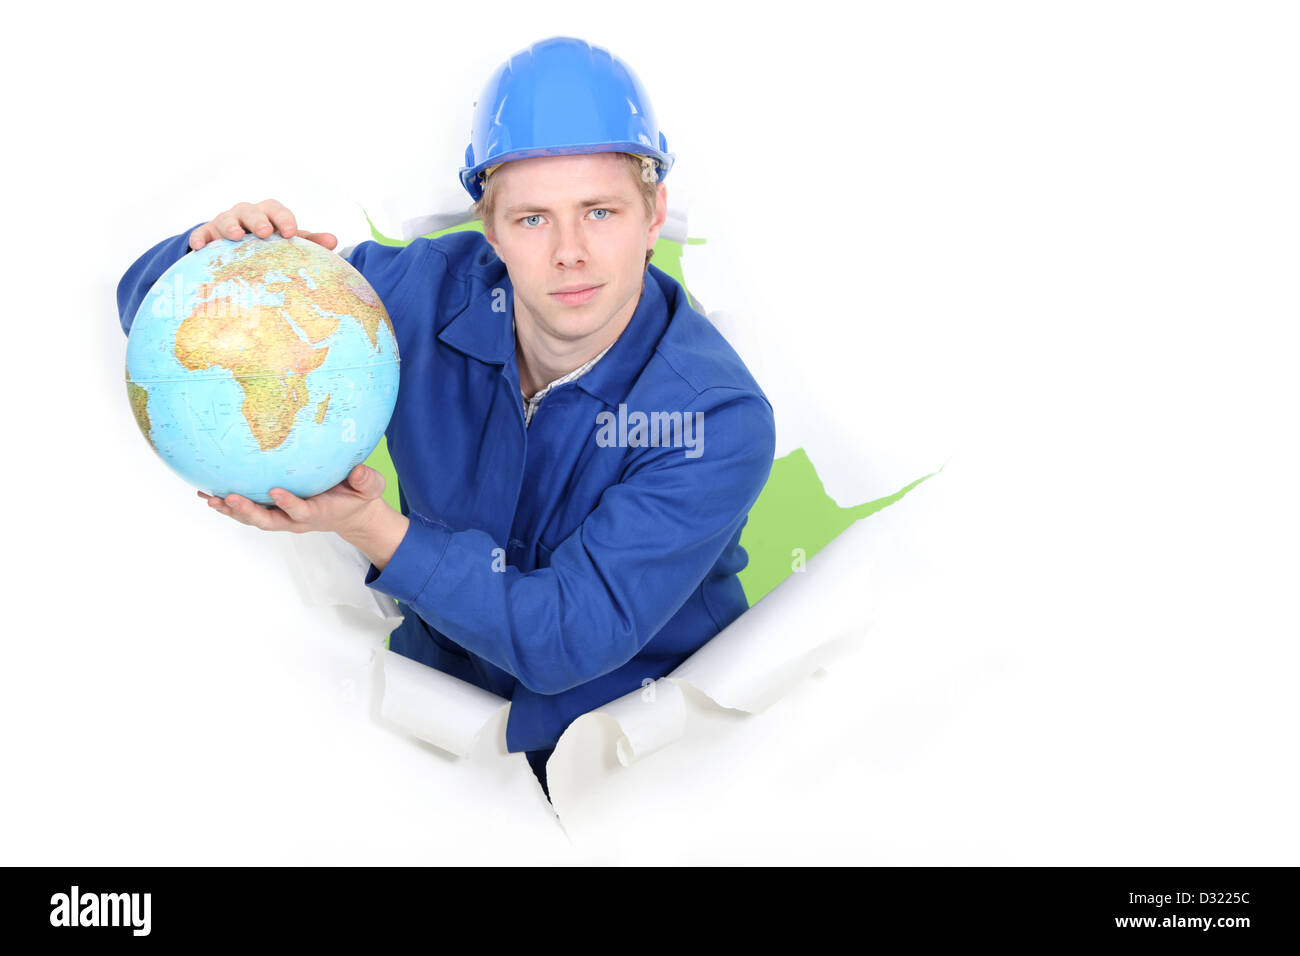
x=577, y=326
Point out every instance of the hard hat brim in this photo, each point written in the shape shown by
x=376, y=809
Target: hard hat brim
x=469, y=175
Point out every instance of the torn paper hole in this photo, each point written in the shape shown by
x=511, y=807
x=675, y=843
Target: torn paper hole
x=798, y=628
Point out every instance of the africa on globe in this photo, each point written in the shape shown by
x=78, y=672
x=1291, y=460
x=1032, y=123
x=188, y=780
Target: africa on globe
x=262, y=363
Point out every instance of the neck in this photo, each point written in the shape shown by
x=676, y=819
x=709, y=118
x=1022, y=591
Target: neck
x=542, y=358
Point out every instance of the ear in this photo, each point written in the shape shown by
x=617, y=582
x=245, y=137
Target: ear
x=489, y=233
x=660, y=216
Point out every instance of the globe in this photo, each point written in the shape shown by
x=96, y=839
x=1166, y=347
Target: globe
x=262, y=363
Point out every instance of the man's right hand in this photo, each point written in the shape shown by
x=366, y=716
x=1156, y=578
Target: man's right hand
x=261, y=219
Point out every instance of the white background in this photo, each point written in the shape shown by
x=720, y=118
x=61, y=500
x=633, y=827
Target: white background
x=1052, y=245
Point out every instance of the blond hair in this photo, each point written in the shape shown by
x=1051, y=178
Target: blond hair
x=643, y=169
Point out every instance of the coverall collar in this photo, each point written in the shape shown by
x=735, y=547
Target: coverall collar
x=488, y=335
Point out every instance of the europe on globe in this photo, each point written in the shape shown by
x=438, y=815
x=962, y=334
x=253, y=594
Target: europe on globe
x=262, y=363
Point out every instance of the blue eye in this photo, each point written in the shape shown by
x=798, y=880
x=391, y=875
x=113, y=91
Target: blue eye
x=538, y=216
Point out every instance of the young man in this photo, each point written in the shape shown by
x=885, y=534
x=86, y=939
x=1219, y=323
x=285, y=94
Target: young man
x=578, y=448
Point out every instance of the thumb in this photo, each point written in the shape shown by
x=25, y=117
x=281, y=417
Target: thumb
x=367, y=481
x=326, y=239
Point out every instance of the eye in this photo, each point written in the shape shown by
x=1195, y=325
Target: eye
x=602, y=218
x=526, y=218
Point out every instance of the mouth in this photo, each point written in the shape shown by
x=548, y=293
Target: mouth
x=578, y=296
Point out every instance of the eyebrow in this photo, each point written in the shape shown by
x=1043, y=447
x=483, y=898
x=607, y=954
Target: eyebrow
x=598, y=201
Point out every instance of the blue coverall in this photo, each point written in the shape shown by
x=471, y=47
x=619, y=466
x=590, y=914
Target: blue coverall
x=564, y=564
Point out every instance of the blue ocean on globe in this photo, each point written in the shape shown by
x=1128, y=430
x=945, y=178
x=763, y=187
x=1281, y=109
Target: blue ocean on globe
x=262, y=363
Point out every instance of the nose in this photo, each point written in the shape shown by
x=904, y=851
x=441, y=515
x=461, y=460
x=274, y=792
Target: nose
x=570, y=244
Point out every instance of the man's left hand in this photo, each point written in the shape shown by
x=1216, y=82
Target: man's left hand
x=346, y=508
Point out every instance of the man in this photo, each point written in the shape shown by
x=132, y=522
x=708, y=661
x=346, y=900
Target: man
x=578, y=448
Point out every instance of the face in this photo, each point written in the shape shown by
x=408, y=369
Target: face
x=566, y=223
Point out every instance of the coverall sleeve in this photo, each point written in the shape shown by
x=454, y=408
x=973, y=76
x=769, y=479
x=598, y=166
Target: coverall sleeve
x=383, y=266
x=616, y=580
x=145, y=271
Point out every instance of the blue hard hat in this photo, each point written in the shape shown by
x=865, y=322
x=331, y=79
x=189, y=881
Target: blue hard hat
x=560, y=97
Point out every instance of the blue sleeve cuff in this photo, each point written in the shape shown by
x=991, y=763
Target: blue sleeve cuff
x=417, y=556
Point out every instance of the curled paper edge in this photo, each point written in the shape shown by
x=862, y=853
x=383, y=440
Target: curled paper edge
x=648, y=719
x=329, y=571
x=461, y=710
x=643, y=731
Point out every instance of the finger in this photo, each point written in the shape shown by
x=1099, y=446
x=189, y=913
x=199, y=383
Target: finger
x=251, y=513
x=219, y=506
x=326, y=239
x=281, y=217
x=206, y=233
x=253, y=219
x=226, y=226
x=367, y=481
x=296, y=508
x=217, y=503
